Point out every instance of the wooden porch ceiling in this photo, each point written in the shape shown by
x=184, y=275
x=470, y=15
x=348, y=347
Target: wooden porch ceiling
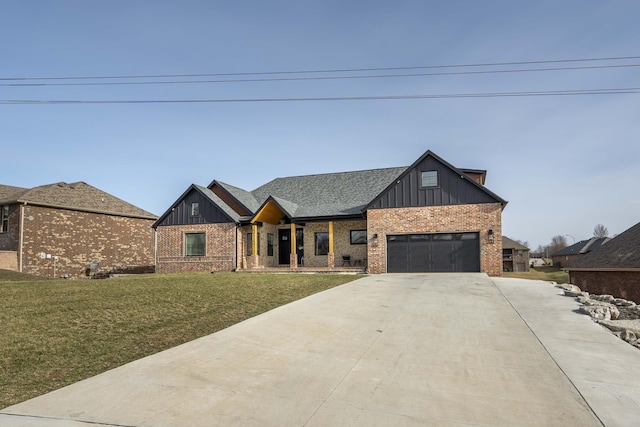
x=270, y=213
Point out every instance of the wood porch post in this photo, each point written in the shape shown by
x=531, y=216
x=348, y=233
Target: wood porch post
x=293, y=259
x=331, y=256
x=254, y=240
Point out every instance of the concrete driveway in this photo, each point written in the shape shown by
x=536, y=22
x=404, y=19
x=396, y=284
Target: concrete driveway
x=401, y=350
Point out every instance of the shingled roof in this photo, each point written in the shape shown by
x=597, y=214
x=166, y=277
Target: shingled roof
x=507, y=243
x=8, y=193
x=331, y=194
x=78, y=196
x=583, y=246
x=621, y=252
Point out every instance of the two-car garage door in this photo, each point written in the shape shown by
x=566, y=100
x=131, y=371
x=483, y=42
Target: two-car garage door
x=442, y=252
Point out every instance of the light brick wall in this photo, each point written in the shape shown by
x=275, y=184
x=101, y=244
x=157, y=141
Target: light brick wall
x=220, y=250
x=438, y=219
x=80, y=238
x=262, y=260
x=341, y=242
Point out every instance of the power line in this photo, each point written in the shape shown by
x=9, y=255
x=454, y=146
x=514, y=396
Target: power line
x=318, y=78
x=610, y=91
x=347, y=70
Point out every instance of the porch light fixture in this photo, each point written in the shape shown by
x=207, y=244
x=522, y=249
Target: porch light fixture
x=490, y=233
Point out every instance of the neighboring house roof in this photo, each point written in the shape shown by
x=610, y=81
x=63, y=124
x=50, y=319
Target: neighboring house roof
x=77, y=196
x=8, y=193
x=583, y=247
x=621, y=252
x=507, y=243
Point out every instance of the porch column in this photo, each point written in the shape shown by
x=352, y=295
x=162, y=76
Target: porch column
x=255, y=260
x=293, y=258
x=331, y=256
x=254, y=240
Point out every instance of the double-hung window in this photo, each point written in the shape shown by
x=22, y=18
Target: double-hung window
x=5, y=219
x=322, y=243
x=194, y=244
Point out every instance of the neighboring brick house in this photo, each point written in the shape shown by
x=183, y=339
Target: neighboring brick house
x=515, y=256
x=564, y=257
x=428, y=217
x=60, y=229
x=612, y=269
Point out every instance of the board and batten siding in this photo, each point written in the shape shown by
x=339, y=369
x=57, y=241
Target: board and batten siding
x=209, y=213
x=453, y=189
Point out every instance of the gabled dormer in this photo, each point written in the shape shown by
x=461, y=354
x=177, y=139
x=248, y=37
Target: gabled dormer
x=431, y=181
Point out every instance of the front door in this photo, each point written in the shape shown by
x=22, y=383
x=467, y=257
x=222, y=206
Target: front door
x=284, y=246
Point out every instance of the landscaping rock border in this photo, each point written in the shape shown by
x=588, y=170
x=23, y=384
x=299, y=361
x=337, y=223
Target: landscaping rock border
x=620, y=316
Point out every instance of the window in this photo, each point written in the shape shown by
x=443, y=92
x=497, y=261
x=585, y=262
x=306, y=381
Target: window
x=5, y=219
x=358, y=237
x=250, y=244
x=269, y=244
x=195, y=209
x=430, y=179
x=194, y=244
x=322, y=243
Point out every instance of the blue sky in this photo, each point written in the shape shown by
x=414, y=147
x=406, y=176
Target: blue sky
x=564, y=163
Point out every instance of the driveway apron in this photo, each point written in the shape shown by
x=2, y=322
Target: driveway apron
x=395, y=349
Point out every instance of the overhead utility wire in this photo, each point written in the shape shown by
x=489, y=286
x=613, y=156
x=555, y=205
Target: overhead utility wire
x=346, y=70
x=611, y=91
x=318, y=78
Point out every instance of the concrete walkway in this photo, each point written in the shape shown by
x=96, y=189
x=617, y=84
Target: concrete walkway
x=401, y=350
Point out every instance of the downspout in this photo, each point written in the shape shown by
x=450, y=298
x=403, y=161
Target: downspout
x=21, y=236
x=155, y=249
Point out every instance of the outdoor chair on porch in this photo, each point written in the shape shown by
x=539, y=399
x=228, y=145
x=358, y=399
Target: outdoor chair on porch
x=346, y=259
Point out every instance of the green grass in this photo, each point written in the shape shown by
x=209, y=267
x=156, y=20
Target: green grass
x=57, y=332
x=550, y=274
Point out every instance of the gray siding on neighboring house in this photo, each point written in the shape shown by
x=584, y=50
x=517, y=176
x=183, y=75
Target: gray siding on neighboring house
x=209, y=213
x=453, y=189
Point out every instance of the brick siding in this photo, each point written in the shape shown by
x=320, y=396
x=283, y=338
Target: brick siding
x=438, y=219
x=80, y=238
x=620, y=284
x=220, y=249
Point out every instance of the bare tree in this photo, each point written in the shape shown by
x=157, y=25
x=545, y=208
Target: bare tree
x=558, y=243
x=600, y=231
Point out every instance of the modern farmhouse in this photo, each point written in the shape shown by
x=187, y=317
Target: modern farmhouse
x=428, y=217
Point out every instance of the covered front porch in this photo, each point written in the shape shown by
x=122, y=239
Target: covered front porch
x=274, y=241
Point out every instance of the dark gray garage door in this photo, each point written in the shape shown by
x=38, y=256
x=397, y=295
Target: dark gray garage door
x=443, y=252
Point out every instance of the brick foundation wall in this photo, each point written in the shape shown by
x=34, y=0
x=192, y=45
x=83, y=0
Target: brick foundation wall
x=620, y=284
x=80, y=238
x=220, y=249
x=9, y=260
x=438, y=219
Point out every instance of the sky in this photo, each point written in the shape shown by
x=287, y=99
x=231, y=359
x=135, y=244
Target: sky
x=565, y=163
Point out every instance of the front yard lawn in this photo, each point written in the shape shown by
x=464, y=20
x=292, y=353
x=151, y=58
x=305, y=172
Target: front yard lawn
x=549, y=274
x=57, y=332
